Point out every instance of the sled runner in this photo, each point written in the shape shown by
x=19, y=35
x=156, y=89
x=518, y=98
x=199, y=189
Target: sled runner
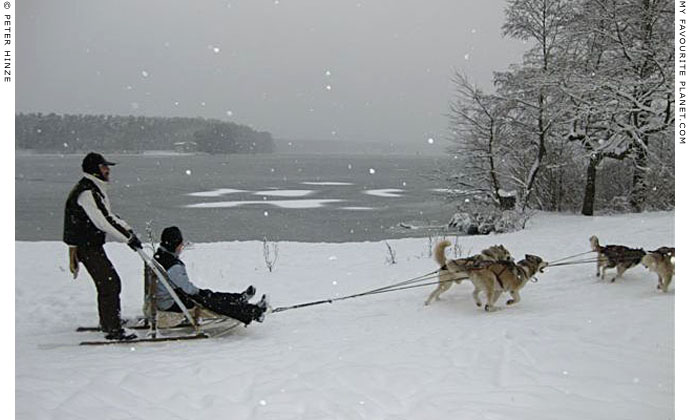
x=145, y=340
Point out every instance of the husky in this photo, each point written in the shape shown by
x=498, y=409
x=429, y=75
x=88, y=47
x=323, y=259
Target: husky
x=455, y=271
x=618, y=256
x=494, y=278
x=661, y=261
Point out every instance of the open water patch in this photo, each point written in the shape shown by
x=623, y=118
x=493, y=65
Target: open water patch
x=358, y=208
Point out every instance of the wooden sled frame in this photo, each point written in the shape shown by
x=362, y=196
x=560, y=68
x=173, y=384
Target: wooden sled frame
x=205, y=323
x=198, y=317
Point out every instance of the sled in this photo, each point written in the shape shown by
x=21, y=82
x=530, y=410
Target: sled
x=202, y=322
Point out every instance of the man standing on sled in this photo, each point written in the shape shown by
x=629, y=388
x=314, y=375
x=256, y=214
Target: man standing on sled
x=233, y=305
x=87, y=221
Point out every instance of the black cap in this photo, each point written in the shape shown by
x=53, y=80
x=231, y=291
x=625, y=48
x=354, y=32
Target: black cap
x=91, y=162
x=171, y=238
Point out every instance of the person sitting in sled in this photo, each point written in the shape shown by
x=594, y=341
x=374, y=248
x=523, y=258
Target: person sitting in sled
x=233, y=305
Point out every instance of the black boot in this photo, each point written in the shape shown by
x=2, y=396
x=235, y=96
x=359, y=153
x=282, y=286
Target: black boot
x=120, y=335
x=261, y=309
x=248, y=294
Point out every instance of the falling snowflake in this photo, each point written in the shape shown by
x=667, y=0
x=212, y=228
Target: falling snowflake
x=266, y=213
x=176, y=103
x=333, y=133
x=262, y=402
x=467, y=56
x=328, y=72
x=216, y=50
x=145, y=73
x=188, y=171
x=430, y=140
x=335, y=283
x=349, y=166
x=372, y=171
x=228, y=113
x=328, y=87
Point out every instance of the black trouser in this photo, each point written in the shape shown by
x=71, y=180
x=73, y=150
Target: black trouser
x=107, y=285
x=227, y=304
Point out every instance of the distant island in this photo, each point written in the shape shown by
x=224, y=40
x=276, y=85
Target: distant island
x=67, y=133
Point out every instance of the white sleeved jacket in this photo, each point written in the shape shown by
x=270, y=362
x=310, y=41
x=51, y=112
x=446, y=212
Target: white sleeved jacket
x=97, y=208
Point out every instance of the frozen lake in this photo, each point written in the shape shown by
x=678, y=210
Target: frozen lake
x=309, y=198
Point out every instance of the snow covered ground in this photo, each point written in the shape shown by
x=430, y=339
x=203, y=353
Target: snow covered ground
x=573, y=348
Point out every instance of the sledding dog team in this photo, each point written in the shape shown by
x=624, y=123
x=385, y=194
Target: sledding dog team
x=89, y=218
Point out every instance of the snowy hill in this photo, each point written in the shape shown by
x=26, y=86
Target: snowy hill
x=574, y=347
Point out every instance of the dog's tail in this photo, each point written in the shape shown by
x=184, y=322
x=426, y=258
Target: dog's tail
x=440, y=252
x=649, y=260
x=594, y=241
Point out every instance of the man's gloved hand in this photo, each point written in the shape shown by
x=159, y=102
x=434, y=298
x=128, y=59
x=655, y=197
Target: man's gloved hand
x=134, y=242
x=73, y=261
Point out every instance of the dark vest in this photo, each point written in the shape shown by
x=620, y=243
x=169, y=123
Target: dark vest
x=78, y=228
x=166, y=258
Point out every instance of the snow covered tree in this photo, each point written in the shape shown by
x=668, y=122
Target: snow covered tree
x=532, y=87
x=596, y=86
x=621, y=86
x=477, y=121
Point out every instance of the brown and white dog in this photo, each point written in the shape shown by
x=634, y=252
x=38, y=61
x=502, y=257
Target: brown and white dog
x=455, y=271
x=661, y=261
x=494, y=278
x=618, y=256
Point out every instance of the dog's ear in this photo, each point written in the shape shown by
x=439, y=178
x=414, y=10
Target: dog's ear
x=530, y=257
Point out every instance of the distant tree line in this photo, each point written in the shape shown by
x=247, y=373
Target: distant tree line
x=67, y=133
x=584, y=122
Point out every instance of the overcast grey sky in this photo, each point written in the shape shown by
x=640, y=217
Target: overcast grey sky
x=301, y=69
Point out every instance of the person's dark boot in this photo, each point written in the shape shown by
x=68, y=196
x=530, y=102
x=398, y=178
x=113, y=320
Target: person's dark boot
x=262, y=308
x=120, y=335
x=248, y=294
